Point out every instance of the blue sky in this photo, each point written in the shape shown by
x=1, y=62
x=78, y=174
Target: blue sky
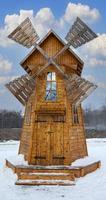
x=59, y=15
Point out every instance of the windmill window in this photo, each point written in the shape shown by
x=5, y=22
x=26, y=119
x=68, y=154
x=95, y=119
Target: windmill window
x=51, y=92
x=75, y=115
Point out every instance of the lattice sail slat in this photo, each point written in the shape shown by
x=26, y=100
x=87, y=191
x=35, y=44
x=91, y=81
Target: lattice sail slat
x=79, y=34
x=22, y=88
x=88, y=92
x=78, y=89
x=25, y=34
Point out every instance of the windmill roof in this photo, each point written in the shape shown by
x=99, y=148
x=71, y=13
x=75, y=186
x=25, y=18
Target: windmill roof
x=43, y=39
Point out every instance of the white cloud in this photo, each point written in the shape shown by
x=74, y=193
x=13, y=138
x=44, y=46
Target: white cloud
x=23, y=14
x=97, y=46
x=4, y=41
x=5, y=65
x=94, y=52
x=44, y=19
x=43, y=15
x=91, y=61
x=12, y=21
x=80, y=10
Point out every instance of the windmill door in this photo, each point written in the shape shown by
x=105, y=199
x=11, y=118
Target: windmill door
x=49, y=144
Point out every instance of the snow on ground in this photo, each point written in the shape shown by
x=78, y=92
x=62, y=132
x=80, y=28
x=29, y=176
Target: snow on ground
x=90, y=187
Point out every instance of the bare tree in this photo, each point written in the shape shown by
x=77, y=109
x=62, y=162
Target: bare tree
x=10, y=119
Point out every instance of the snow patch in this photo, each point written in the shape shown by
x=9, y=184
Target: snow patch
x=84, y=161
x=17, y=160
x=92, y=186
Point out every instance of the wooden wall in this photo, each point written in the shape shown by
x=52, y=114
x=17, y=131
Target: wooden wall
x=52, y=143
x=27, y=130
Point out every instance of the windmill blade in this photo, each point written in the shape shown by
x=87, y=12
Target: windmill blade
x=78, y=89
x=79, y=34
x=81, y=91
x=87, y=93
x=22, y=88
x=25, y=34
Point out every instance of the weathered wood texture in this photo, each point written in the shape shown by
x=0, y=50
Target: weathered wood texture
x=25, y=34
x=78, y=88
x=22, y=88
x=49, y=142
x=79, y=34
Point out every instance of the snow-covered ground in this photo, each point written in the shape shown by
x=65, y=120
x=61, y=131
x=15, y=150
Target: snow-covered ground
x=90, y=187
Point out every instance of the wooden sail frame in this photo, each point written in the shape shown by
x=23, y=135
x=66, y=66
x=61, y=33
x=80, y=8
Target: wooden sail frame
x=79, y=34
x=87, y=93
x=78, y=89
x=21, y=88
x=25, y=34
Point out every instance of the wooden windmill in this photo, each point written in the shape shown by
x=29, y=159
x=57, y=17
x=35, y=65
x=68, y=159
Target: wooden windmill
x=52, y=92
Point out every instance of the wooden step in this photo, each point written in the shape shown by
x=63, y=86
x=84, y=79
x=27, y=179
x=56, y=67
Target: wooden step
x=39, y=179
x=32, y=170
x=45, y=182
x=44, y=169
x=73, y=172
x=46, y=176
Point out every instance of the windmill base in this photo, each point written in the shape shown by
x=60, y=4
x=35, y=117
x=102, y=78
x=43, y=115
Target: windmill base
x=50, y=175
